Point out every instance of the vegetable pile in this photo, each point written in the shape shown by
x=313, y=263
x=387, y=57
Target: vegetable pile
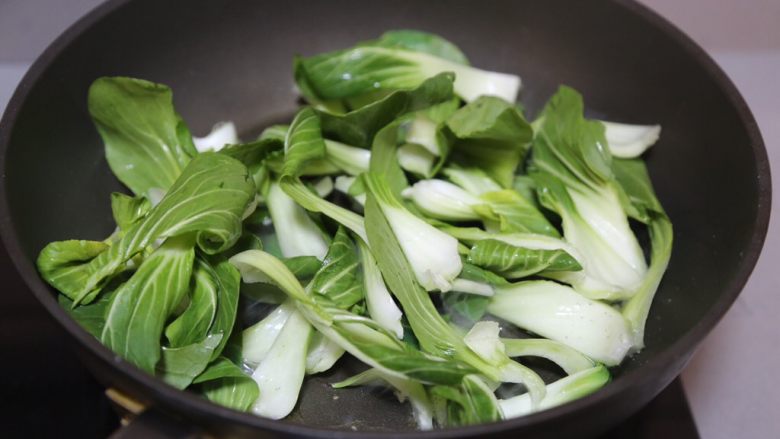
x=404, y=217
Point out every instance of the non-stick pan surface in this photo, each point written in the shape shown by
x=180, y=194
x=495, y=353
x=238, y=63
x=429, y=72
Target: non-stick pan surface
x=231, y=60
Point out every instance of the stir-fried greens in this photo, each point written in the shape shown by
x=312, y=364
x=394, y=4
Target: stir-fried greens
x=408, y=216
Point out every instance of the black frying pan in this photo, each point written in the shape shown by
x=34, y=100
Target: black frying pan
x=232, y=60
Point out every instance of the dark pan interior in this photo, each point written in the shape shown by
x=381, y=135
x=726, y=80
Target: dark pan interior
x=231, y=60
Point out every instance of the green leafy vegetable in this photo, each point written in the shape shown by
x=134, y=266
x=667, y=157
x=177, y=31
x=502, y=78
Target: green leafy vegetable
x=517, y=262
x=339, y=279
x=208, y=199
x=507, y=211
x=179, y=366
x=387, y=116
x=368, y=69
x=357, y=335
x=573, y=170
x=492, y=135
x=418, y=41
x=147, y=143
x=359, y=127
x=226, y=384
x=135, y=319
x=303, y=267
x=634, y=179
x=128, y=210
x=193, y=324
x=471, y=403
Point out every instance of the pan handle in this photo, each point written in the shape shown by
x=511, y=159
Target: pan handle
x=145, y=422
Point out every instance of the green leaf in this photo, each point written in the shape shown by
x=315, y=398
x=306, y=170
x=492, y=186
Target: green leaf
x=303, y=267
x=140, y=308
x=228, y=281
x=339, y=278
x=253, y=153
x=193, y=324
x=516, y=262
x=384, y=162
x=304, y=142
x=59, y=261
x=365, y=72
x=439, y=113
x=128, y=210
x=470, y=403
x=632, y=176
x=226, y=384
x=419, y=41
x=147, y=143
x=208, y=199
x=570, y=147
x=492, y=135
x=91, y=317
x=275, y=132
x=507, y=211
x=470, y=306
x=474, y=273
x=525, y=186
x=359, y=127
x=179, y=366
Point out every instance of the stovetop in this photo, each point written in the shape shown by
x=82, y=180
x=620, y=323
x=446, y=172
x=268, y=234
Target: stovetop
x=46, y=392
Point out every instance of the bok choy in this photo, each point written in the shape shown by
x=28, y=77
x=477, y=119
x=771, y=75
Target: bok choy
x=409, y=217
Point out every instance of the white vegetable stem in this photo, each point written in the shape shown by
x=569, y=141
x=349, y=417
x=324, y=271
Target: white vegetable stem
x=297, y=233
x=470, y=82
x=323, y=354
x=323, y=186
x=443, y=200
x=223, y=133
x=415, y=159
x=381, y=306
x=432, y=254
x=280, y=374
x=422, y=131
x=474, y=180
x=608, y=250
x=484, y=341
x=472, y=287
x=630, y=141
x=257, y=339
x=557, y=312
x=350, y=159
x=562, y=391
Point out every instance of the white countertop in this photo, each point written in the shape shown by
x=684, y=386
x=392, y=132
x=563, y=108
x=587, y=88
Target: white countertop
x=730, y=382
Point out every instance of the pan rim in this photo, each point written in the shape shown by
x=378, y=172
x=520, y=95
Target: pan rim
x=198, y=406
